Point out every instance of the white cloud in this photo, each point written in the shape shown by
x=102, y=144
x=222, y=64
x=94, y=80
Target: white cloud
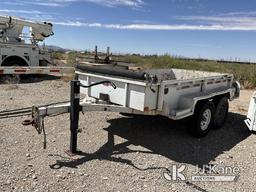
x=240, y=13
x=108, y=3
x=12, y=3
x=227, y=21
x=113, y=3
x=235, y=21
x=219, y=19
x=19, y=11
x=78, y=24
x=161, y=27
x=49, y=4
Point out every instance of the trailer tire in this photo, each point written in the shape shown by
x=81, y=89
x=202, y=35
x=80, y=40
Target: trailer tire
x=127, y=114
x=221, y=112
x=132, y=115
x=202, y=119
x=13, y=62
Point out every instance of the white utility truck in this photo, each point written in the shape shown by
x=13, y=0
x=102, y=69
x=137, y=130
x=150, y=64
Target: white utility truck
x=20, y=53
x=14, y=51
x=175, y=93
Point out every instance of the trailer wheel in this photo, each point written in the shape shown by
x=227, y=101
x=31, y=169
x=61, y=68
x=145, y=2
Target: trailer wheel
x=10, y=79
x=202, y=119
x=132, y=115
x=127, y=114
x=13, y=62
x=221, y=112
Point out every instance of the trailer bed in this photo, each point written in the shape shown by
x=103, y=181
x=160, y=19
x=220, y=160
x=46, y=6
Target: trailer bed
x=169, y=92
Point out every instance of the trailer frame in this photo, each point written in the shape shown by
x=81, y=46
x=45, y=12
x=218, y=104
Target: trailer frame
x=50, y=70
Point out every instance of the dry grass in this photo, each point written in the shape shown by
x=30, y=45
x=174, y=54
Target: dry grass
x=68, y=78
x=245, y=73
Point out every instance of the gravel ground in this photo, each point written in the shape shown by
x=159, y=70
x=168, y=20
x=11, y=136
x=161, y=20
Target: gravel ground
x=118, y=153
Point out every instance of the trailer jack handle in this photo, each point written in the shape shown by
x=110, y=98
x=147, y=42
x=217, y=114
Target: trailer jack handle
x=98, y=83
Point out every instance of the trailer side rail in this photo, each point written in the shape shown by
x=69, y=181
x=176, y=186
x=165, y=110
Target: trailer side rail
x=36, y=70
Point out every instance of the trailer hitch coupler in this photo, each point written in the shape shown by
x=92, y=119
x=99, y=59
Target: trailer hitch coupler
x=28, y=122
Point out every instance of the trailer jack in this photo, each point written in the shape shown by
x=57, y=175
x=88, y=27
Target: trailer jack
x=75, y=108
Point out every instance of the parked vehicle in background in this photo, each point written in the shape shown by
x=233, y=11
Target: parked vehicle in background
x=20, y=49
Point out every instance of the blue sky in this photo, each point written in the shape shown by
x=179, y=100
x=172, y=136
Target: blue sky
x=216, y=29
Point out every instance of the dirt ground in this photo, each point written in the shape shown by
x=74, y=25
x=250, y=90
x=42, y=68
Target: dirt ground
x=118, y=153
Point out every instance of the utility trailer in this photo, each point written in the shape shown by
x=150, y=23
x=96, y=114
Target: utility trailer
x=175, y=93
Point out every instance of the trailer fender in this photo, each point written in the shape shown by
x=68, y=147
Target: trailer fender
x=14, y=61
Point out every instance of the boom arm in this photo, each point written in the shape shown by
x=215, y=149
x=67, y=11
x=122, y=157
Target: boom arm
x=11, y=29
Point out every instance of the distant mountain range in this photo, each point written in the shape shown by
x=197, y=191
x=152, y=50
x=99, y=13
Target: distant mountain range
x=56, y=48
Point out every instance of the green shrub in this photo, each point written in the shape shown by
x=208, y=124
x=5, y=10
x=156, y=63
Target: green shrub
x=58, y=55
